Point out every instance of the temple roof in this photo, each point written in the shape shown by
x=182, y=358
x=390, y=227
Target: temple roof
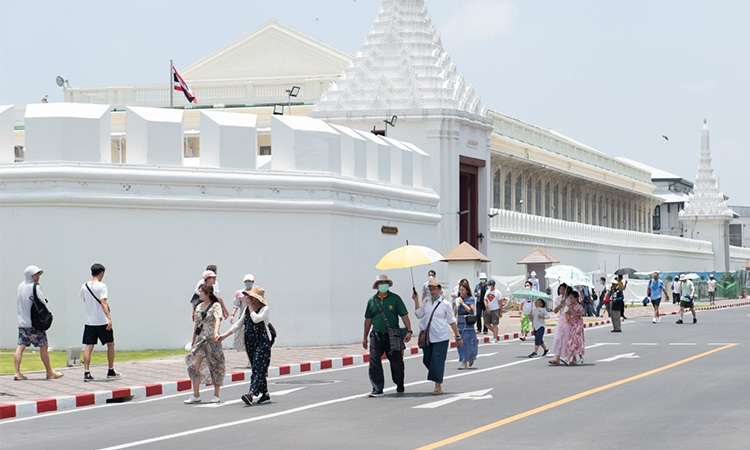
x=538, y=256
x=465, y=252
x=401, y=67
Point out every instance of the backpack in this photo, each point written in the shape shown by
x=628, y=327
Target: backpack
x=272, y=329
x=41, y=317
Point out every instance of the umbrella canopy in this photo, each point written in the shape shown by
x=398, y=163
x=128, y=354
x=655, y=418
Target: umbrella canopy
x=408, y=256
x=625, y=271
x=570, y=275
x=692, y=276
x=531, y=293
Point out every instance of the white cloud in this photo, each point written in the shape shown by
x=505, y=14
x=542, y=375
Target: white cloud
x=479, y=19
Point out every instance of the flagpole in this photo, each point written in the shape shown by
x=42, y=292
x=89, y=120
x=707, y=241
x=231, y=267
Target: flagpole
x=171, y=83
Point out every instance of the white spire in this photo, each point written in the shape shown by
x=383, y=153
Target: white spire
x=706, y=200
x=401, y=68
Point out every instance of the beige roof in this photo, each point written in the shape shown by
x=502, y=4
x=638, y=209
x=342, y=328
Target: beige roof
x=538, y=256
x=465, y=252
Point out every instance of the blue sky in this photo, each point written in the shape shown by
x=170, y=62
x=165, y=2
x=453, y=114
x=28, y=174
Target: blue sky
x=616, y=75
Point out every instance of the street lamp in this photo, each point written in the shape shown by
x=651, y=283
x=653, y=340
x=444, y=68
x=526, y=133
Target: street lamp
x=293, y=92
x=278, y=110
x=391, y=122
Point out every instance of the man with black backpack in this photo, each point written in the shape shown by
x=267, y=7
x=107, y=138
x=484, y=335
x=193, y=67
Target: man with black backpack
x=30, y=296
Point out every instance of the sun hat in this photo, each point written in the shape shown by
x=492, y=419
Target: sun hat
x=209, y=274
x=248, y=277
x=381, y=278
x=482, y=275
x=32, y=270
x=257, y=293
x=683, y=277
x=433, y=282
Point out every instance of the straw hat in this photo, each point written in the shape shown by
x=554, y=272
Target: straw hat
x=257, y=293
x=381, y=278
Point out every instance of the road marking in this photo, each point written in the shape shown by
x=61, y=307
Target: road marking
x=644, y=343
x=602, y=343
x=234, y=402
x=616, y=357
x=486, y=355
x=531, y=412
x=475, y=395
x=718, y=343
x=682, y=343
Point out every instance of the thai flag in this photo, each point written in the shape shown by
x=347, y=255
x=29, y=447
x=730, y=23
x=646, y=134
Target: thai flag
x=180, y=85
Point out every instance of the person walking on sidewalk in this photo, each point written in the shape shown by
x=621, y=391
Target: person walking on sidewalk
x=382, y=312
x=493, y=303
x=676, y=289
x=617, y=305
x=711, y=283
x=98, y=325
x=562, y=329
x=602, y=295
x=431, y=274
x=538, y=315
x=687, y=288
x=206, y=357
x=527, y=304
x=239, y=305
x=465, y=305
x=437, y=321
x=654, y=292
x=480, y=291
x=28, y=290
x=258, y=341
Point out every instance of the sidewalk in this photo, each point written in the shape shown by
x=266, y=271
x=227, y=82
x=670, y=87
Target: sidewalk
x=146, y=378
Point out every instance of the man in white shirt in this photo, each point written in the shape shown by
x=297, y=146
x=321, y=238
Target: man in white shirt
x=493, y=305
x=98, y=322
x=676, y=290
x=27, y=334
x=711, y=289
x=431, y=274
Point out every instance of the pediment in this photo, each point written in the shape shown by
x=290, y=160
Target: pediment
x=272, y=50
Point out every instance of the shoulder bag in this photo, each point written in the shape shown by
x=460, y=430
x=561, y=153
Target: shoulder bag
x=97, y=299
x=394, y=334
x=423, y=341
x=41, y=317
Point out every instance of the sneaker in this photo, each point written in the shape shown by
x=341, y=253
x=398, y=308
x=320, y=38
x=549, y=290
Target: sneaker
x=565, y=361
x=112, y=374
x=266, y=397
x=192, y=400
x=653, y=320
x=695, y=320
x=87, y=376
x=545, y=352
x=658, y=320
x=492, y=340
x=215, y=400
x=375, y=393
x=522, y=338
x=248, y=399
x=400, y=389
x=462, y=366
x=580, y=361
x=533, y=355
x=679, y=321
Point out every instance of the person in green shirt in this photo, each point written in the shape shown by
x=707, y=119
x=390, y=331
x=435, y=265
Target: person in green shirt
x=687, y=288
x=377, y=329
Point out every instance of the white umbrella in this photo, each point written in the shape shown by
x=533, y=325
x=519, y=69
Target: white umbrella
x=570, y=275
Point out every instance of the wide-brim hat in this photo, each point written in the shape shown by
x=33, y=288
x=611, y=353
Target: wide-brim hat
x=383, y=278
x=257, y=293
x=683, y=277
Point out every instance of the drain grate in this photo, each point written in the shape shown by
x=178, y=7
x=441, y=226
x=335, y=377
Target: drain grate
x=307, y=382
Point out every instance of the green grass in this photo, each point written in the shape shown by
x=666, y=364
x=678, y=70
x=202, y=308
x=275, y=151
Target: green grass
x=31, y=361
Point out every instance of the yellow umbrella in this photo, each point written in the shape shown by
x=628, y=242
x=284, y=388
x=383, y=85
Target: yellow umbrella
x=408, y=256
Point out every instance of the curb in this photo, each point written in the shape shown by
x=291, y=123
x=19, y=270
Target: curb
x=68, y=402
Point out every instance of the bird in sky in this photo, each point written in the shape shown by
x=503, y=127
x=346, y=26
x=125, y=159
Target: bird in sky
x=665, y=138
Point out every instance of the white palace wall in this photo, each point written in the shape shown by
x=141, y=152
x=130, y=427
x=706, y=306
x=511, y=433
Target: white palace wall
x=311, y=239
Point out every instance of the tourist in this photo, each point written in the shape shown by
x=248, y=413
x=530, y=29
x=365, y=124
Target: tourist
x=538, y=316
x=206, y=358
x=711, y=283
x=623, y=285
x=239, y=305
x=98, y=325
x=676, y=289
x=527, y=304
x=654, y=291
x=436, y=320
x=687, y=289
x=479, y=292
x=431, y=274
x=574, y=316
x=617, y=305
x=588, y=300
x=465, y=311
x=209, y=277
x=382, y=312
x=534, y=281
x=493, y=303
x=27, y=334
x=259, y=338
x=603, y=294
x=562, y=329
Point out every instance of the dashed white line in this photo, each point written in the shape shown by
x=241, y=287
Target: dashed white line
x=644, y=343
x=683, y=343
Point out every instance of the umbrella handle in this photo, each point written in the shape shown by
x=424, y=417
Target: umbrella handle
x=413, y=288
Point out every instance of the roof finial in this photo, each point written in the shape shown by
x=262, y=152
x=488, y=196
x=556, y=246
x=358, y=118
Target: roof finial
x=705, y=121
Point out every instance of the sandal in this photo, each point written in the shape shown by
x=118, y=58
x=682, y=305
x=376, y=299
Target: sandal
x=437, y=391
x=553, y=363
x=22, y=377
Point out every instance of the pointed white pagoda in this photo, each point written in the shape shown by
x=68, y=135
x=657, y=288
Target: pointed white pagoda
x=402, y=70
x=706, y=215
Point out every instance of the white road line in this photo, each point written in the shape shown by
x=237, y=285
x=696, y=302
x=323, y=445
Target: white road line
x=721, y=343
x=602, y=343
x=683, y=343
x=644, y=343
x=476, y=395
x=57, y=413
x=234, y=402
x=616, y=357
x=486, y=355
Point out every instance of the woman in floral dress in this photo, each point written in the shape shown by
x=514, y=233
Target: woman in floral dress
x=576, y=344
x=206, y=357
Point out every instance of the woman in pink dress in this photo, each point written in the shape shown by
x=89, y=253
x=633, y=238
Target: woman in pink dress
x=562, y=329
x=576, y=343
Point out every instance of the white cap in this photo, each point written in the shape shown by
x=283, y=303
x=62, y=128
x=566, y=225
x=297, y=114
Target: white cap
x=209, y=274
x=482, y=275
x=248, y=277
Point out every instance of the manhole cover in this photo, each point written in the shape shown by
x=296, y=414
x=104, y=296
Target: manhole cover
x=307, y=382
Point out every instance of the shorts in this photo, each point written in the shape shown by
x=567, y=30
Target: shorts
x=712, y=295
x=31, y=336
x=656, y=302
x=686, y=304
x=492, y=317
x=92, y=333
x=539, y=336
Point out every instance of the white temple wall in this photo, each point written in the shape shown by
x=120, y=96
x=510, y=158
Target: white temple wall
x=7, y=118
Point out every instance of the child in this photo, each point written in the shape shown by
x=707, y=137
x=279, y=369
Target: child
x=538, y=315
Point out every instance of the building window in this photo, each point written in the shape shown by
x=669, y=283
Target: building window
x=565, y=203
x=508, y=187
x=529, y=196
x=546, y=199
x=735, y=234
x=264, y=150
x=19, y=153
x=538, y=195
x=657, y=218
x=192, y=146
x=519, y=194
x=118, y=148
x=496, y=188
x=586, y=209
x=556, y=201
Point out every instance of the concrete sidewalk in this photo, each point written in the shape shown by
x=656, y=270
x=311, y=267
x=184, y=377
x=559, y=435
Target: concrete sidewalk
x=145, y=378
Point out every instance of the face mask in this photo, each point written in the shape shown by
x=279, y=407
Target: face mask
x=482, y=281
x=435, y=297
x=249, y=284
x=383, y=288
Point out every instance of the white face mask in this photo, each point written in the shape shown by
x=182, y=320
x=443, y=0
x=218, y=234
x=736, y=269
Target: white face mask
x=249, y=284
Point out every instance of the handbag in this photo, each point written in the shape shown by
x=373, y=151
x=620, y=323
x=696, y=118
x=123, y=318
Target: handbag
x=423, y=341
x=395, y=341
x=41, y=317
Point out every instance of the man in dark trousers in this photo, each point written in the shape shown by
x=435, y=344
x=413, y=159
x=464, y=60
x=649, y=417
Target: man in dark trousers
x=479, y=292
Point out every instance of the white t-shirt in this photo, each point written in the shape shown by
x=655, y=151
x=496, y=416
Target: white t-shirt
x=94, y=311
x=494, y=304
x=535, y=320
x=711, y=285
x=25, y=298
x=528, y=305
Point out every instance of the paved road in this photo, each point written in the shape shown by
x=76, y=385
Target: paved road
x=678, y=386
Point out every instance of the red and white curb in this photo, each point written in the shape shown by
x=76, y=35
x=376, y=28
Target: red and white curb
x=62, y=403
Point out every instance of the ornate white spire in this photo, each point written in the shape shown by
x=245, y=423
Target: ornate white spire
x=401, y=68
x=706, y=200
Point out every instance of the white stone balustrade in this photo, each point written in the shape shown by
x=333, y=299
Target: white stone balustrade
x=7, y=119
x=67, y=132
x=155, y=136
x=228, y=140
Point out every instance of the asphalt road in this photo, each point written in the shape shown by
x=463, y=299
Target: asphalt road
x=654, y=385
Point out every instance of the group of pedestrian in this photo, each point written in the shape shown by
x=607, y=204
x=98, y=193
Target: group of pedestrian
x=569, y=343
x=97, y=324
